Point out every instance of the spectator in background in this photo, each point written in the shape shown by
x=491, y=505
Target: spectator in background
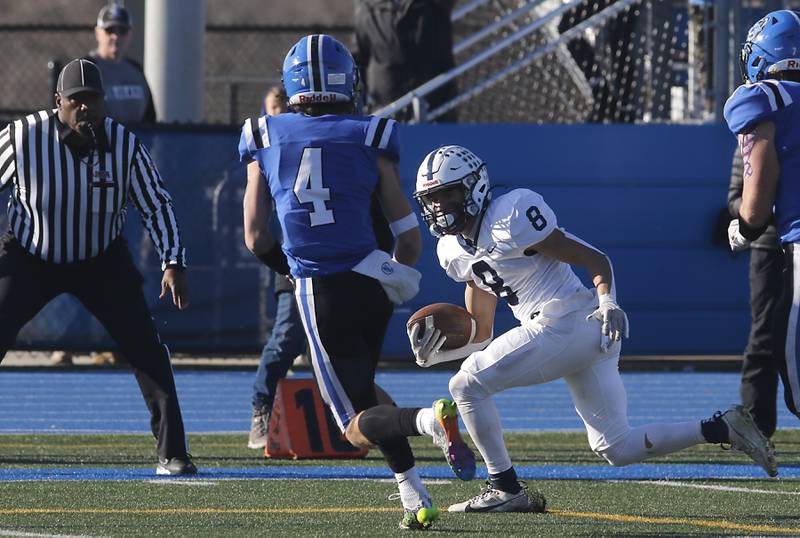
x=128, y=97
x=128, y=100
x=759, y=387
x=287, y=339
x=400, y=45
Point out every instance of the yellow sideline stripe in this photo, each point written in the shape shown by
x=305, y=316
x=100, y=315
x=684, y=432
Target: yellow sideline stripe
x=20, y=511
x=721, y=524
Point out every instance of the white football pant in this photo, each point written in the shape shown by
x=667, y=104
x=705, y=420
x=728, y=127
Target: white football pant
x=546, y=349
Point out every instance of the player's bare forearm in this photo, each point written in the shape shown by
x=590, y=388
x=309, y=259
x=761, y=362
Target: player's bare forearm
x=395, y=206
x=760, y=174
x=567, y=249
x=257, y=211
x=481, y=305
x=408, y=247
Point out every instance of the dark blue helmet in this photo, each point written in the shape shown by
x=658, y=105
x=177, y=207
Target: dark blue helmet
x=319, y=69
x=772, y=46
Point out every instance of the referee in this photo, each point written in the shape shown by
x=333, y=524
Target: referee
x=72, y=171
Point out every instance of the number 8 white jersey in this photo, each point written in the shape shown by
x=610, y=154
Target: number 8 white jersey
x=497, y=263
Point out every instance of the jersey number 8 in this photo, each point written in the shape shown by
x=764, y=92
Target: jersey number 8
x=308, y=187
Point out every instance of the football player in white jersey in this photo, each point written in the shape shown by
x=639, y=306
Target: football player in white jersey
x=511, y=247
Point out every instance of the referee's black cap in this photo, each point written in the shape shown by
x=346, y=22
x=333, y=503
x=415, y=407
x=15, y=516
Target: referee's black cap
x=79, y=76
x=114, y=15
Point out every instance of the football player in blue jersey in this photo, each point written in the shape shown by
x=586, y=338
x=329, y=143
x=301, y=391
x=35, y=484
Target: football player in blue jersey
x=320, y=164
x=765, y=115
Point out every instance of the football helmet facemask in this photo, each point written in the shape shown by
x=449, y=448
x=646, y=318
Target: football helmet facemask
x=772, y=46
x=451, y=167
x=319, y=69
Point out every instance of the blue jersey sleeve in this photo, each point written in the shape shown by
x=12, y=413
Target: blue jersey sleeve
x=254, y=137
x=382, y=135
x=752, y=104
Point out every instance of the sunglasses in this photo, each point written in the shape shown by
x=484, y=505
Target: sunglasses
x=119, y=30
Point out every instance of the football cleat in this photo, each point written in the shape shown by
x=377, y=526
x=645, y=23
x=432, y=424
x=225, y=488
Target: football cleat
x=491, y=499
x=446, y=435
x=419, y=520
x=176, y=466
x=745, y=437
x=259, y=428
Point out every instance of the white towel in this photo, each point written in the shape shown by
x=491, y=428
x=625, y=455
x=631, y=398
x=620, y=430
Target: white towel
x=400, y=282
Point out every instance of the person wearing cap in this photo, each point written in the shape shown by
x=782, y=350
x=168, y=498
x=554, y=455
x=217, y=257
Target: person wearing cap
x=71, y=172
x=128, y=100
x=128, y=96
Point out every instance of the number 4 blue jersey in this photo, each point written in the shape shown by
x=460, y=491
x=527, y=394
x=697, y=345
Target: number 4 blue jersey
x=322, y=172
x=775, y=101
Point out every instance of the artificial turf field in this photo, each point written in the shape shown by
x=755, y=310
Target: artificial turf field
x=217, y=503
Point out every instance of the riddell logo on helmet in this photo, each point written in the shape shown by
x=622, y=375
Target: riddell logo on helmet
x=430, y=183
x=317, y=98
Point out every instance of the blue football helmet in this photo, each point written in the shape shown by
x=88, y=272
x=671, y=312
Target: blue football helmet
x=319, y=69
x=772, y=46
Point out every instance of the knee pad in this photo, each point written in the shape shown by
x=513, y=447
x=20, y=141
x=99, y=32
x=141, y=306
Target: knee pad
x=464, y=388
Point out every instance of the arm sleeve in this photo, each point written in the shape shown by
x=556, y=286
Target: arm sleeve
x=752, y=104
x=736, y=184
x=531, y=219
x=155, y=207
x=8, y=166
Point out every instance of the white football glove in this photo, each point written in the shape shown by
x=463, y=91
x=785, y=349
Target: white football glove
x=426, y=346
x=736, y=240
x=614, y=322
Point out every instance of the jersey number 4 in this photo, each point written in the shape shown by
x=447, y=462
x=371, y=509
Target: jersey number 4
x=308, y=187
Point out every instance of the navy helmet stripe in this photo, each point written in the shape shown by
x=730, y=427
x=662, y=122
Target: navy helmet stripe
x=316, y=68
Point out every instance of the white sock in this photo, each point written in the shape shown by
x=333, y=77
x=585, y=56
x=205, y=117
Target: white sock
x=413, y=493
x=425, y=421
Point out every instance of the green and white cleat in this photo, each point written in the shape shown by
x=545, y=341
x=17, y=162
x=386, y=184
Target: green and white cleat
x=446, y=435
x=419, y=520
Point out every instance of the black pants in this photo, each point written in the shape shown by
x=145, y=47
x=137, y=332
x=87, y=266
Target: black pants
x=110, y=287
x=759, y=388
x=345, y=316
x=787, y=330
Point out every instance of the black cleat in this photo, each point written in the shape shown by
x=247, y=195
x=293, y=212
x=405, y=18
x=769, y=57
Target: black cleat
x=176, y=466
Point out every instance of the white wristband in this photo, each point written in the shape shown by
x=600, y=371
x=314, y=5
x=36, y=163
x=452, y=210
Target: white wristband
x=606, y=298
x=404, y=224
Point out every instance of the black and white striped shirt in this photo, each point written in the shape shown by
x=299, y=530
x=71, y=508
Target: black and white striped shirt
x=66, y=207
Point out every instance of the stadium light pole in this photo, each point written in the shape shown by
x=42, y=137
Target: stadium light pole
x=173, y=58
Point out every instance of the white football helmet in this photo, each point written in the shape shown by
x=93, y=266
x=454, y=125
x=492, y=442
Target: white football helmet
x=451, y=167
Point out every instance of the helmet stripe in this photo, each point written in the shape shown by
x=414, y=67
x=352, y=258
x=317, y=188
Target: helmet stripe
x=314, y=64
x=431, y=157
x=794, y=14
x=322, y=74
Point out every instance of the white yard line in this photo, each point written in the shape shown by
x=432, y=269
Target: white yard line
x=672, y=484
x=7, y=532
x=180, y=482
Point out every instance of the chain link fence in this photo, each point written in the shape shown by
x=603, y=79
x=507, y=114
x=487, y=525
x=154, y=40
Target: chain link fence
x=616, y=61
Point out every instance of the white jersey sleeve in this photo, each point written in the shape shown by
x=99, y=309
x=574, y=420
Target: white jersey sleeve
x=530, y=218
x=448, y=252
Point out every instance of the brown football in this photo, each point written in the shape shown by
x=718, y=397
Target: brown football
x=455, y=322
